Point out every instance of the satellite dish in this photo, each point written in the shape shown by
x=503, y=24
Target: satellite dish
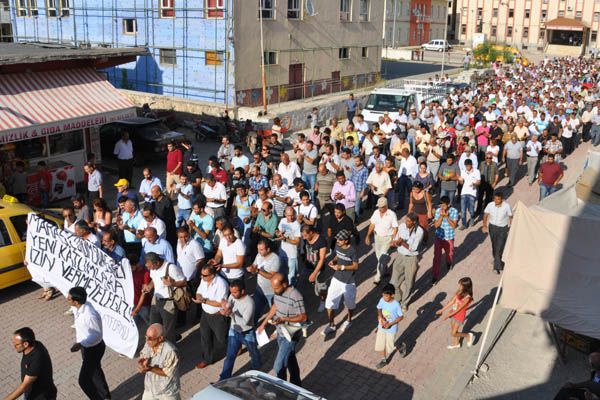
x=310, y=8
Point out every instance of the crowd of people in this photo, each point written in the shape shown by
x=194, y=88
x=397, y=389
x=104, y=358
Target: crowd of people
x=250, y=237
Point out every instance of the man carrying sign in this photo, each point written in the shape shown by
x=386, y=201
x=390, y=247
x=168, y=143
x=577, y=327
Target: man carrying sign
x=88, y=331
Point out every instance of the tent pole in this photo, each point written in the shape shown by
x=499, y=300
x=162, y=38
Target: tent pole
x=487, y=328
x=561, y=351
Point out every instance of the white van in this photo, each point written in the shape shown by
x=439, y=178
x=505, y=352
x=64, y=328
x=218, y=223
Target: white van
x=437, y=45
x=407, y=95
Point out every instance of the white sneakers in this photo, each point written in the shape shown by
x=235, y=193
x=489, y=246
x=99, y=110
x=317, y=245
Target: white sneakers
x=345, y=326
x=471, y=339
x=328, y=329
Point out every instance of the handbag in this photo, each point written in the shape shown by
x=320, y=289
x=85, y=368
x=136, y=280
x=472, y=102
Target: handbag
x=180, y=295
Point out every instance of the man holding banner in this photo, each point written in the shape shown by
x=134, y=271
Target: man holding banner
x=88, y=331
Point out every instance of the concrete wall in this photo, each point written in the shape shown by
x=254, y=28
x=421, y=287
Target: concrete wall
x=191, y=33
x=184, y=106
x=311, y=41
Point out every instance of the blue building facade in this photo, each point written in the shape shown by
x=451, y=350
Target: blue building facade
x=191, y=55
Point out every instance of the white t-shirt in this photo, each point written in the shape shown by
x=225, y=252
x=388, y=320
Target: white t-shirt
x=384, y=224
x=289, y=230
x=230, y=253
x=156, y=223
x=160, y=290
x=123, y=151
x=188, y=257
x=498, y=215
x=309, y=211
x=469, y=179
x=216, y=192
x=182, y=202
x=268, y=264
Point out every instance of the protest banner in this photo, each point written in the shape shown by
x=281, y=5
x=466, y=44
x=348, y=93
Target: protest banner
x=58, y=258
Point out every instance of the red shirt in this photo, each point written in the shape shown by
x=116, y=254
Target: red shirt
x=220, y=175
x=173, y=158
x=550, y=173
x=45, y=181
x=140, y=277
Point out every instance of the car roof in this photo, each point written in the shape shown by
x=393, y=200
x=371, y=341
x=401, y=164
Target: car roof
x=401, y=92
x=8, y=208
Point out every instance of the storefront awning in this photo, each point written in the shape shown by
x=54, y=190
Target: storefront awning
x=565, y=24
x=43, y=103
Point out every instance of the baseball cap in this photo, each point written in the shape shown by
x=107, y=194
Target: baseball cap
x=342, y=235
x=122, y=182
x=382, y=202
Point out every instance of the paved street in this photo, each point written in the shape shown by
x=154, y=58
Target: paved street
x=340, y=367
x=392, y=69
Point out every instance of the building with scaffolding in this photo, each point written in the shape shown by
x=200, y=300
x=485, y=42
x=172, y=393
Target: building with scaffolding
x=215, y=50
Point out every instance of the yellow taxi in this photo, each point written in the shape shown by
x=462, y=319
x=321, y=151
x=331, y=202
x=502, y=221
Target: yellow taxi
x=13, y=234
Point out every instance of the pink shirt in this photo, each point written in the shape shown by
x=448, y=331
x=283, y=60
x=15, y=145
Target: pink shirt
x=482, y=135
x=347, y=190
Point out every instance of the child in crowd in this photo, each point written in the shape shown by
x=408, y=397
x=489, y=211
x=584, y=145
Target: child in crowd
x=458, y=305
x=389, y=314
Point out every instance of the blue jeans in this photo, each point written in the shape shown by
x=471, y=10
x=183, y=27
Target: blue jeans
x=234, y=343
x=357, y=205
x=413, y=144
x=292, y=267
x=450, y=193
x=595, y=135
x=182, y=216
x=467, y=203
x=286, y=360
x=262, y=302
x=546, y=190
x=309, y=181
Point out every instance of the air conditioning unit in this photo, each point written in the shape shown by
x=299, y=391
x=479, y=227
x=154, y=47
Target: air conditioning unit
x=344, y=16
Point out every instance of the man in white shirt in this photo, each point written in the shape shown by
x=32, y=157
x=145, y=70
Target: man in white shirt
x=497, y=218
x=533, y=148
x=288, y=170
x=184, y=191
x=94, y=186
x=467, y=155
x=288, y=232
x=470, y=179
x=190, y=254
x=266, y=264
x=384, y=223
x=404, y=267
x=229, y=259
x=88, y=333
x=407, y=171
x=124, y=152
x=150, y=220
x=216, y=197
x=239, y=160
x=164, y=277
x=211, y=293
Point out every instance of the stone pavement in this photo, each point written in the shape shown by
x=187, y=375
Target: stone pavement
x=337, y=367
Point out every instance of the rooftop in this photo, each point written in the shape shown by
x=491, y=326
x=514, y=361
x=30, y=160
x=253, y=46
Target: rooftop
x=35, y=53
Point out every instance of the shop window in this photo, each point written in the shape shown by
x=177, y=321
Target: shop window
x=168, y=56
x=294, y=10
x=345, y=10
x=4, y=236
x=213, y=57
x=268, y=8
x=31, y=149
x=65, y=8
x=344, y=53
x=271, y=58
x=65, y=142
x=364, y=11
x=51, y=8
x=167, y=8
x=129, y=26
x=365, y=52
x=215, y=8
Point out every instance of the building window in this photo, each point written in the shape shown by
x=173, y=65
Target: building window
x=495, y=12
x=22, y=8
x=494, y=31
x=345, y=10
x=129, y=26
x=365, y=52
x=544, y=15
x=51, y=8
x=344, y=53
x=33, y=8
x=294, y=10
x=527, y=13
x=271, y=58
x=596, y=16
x=65, y=8
x=511, y=12
x=480, y=13
x=479, y=27
x=542, y=34
x=525, y=32
x=578, y=15
x=215, y=8
x=509, y=31
x=364, y=11
x=594, y=36
x=167, y=8
x=213, y=57
x=268, y=9
x=168, y=56
x=561, y=13
x=463, y=29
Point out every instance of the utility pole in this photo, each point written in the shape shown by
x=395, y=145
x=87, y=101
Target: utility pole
x=262, y=58
x=394, y=25
x=445, y=40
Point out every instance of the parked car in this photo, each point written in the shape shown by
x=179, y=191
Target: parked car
x=13, y=235
x=149, y=136
x=254, y=385
x=437, y=45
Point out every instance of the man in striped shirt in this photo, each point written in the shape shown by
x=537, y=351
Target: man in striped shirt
x=279, y=195
x=359, y=176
